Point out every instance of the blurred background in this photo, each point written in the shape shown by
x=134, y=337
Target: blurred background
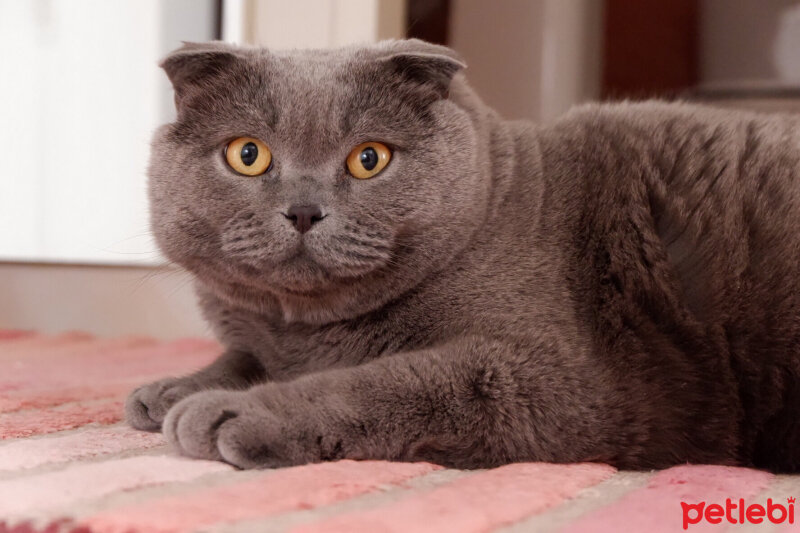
x=80, y=95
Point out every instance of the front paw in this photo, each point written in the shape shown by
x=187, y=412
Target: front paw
x=235, y=427
x=147, y=406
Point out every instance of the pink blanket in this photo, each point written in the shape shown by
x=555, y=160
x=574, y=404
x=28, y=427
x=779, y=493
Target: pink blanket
x=68, y=463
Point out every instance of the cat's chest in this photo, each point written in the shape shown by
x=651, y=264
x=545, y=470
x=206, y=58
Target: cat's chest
x=482, y=293
x=288, y=350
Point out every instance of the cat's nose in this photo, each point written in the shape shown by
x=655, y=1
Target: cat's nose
x=304, y=216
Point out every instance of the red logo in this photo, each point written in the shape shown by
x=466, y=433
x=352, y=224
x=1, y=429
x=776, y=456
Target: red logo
x=738, y=512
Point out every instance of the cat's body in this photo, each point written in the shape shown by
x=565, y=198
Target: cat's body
x=619, y=286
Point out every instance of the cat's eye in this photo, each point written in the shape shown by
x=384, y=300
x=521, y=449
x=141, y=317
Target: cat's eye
x=248, y=156
x=367, y=159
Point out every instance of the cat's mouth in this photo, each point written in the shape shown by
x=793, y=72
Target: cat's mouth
x=311, y=266
x=235, y=278
x=298, y=275
x=303, y=274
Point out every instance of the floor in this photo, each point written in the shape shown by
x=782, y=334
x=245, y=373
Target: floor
x=69, y=464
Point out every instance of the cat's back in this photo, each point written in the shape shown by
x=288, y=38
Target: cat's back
x=688, y=215
x=674, y=142
x=717, y=186
x=721, y=189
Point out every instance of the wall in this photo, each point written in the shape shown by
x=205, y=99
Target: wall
x=101, y=300
x=747, y=42
x=312, y=23
x=530, y=59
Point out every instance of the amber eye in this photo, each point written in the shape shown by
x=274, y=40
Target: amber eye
x=248, y=156
x=368, y=159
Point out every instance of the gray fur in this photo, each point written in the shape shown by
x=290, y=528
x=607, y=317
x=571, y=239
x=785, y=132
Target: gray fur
x=619, y=286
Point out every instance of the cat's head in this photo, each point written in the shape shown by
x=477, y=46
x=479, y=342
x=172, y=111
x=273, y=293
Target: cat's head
x=327, y=181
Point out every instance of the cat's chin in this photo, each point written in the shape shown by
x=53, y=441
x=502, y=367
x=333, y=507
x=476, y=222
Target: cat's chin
x=299, y=278
x=300, y=287
x=305, y=292
x=297, y=300
x=318, y=305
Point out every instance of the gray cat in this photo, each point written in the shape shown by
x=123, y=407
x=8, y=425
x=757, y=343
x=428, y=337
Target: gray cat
x=398, y=273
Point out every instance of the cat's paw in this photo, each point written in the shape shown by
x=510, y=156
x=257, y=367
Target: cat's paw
x=147, y=406
x=235, y=427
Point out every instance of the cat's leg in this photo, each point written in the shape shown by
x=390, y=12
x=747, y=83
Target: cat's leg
x=146, y=406
x=470, y=403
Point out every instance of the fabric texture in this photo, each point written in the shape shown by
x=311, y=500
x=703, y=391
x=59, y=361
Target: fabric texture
x=68, y=463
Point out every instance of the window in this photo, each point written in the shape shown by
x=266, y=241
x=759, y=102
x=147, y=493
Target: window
x=80, y=95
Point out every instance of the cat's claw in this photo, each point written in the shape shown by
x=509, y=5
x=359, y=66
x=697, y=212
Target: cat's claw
x=147, y=406
x=230, y=426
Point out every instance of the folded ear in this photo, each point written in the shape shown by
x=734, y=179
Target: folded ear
x=196, y=63
x=429, y=65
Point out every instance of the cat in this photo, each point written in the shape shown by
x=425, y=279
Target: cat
x=396, y=272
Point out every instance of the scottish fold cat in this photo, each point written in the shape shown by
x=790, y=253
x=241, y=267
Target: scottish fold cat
x=396, y=272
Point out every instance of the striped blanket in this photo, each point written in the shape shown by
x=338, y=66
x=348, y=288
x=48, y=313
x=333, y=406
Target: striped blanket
x=68, y=464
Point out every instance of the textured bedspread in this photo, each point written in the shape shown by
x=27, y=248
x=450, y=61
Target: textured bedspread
x=68, y=463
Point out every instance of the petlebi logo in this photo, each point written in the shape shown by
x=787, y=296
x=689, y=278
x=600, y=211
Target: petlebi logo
x=738, y=512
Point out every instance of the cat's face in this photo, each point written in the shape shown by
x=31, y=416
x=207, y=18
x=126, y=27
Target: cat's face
x=321, y=235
